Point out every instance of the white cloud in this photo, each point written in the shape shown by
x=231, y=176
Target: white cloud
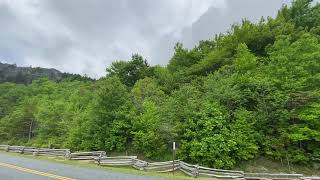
x=86, y=36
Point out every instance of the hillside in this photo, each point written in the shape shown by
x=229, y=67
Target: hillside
x=25, y=75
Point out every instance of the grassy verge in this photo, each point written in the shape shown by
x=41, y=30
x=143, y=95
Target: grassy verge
x=177, y=175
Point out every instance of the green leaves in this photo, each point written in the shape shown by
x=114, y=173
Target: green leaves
x=245, y=61
x=215, y=139
x=131, y=71
x=146, y=131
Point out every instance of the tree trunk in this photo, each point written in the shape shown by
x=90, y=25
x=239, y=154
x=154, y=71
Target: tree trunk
x=30, y=130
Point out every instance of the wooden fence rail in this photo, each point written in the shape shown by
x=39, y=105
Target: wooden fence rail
x=100, y=158
x=36, y=151
x=274, y=176
x=86, y=156
x=115, y=161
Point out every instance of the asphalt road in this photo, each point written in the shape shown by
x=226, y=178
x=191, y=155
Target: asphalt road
x=21, y=168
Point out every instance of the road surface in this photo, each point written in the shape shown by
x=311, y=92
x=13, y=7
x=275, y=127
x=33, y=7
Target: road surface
x=21, y=168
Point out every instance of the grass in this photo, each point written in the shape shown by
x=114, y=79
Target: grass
x=177, y=175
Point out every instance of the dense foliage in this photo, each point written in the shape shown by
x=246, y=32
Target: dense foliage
x=253, y=91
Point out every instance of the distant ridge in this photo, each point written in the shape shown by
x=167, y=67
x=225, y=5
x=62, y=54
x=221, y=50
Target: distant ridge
x=25, y=75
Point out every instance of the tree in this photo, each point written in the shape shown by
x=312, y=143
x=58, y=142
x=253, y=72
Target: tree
x=146, y=89
x=213, y=139
x=105, y=117
x=147, y=135
x=131, y=71
x=52, y=121
x=184, y=58
x=19, y=124
x=244, y=59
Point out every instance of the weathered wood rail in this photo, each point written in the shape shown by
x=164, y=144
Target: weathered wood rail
x=273, y=176
x=115, y=160
x=86, y=156
x=36, y=151
x=100, y=158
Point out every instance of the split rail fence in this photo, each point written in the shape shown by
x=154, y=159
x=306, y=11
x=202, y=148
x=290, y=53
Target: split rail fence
x=100, y=158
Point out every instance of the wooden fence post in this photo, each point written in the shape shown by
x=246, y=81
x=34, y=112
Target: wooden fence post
x=36, y=152
x=7, y=148
x=22, y=150
x=195, y=171
x=99, y=159
x=67, y=155
x=145, y=166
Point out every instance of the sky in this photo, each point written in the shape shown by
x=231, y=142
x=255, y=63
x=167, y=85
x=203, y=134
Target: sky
x=85, y=37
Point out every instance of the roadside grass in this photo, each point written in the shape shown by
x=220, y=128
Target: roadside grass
x=178, y=175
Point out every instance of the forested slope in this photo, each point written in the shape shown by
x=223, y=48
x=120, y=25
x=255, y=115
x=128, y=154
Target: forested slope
x=252, y=91
x=25, y=75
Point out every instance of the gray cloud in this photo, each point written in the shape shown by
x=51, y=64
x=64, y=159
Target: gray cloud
x=86, y=36
x=216, y=21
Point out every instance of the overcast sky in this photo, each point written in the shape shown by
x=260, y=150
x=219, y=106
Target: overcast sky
x=85, y=36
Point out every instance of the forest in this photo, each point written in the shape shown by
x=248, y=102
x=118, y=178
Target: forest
x=253, y=91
